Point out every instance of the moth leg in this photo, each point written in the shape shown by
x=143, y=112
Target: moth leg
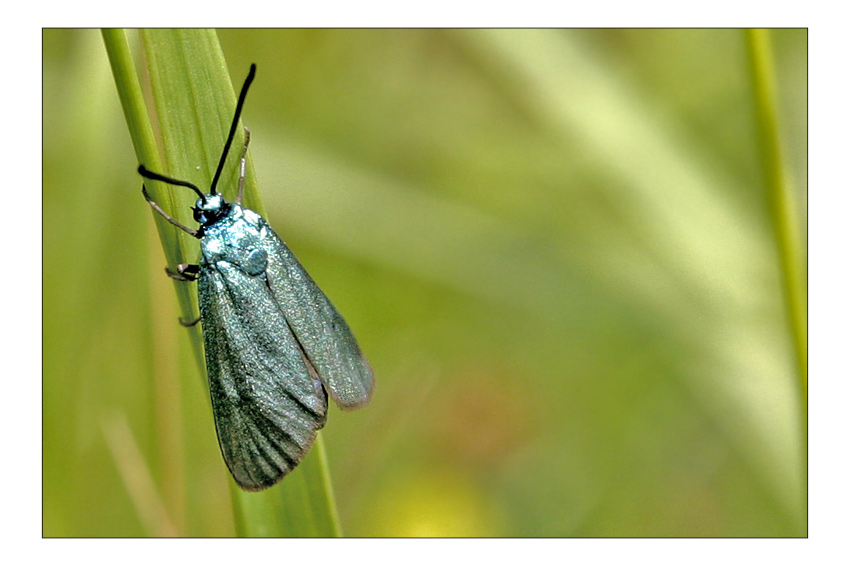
x=188, y=324
x=196, y=233
x=242, y=167
x=185, y=272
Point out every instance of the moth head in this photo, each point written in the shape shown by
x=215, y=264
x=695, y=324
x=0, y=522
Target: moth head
x=210, y=209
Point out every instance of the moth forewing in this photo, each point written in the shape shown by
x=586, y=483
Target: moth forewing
x=267, y=405
x=320, y=329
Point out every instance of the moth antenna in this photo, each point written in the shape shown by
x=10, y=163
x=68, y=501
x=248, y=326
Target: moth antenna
x=232, y=133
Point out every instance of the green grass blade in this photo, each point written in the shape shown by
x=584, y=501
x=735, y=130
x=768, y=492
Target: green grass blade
x=144, y=143
x=194, y=99
x=783, y=211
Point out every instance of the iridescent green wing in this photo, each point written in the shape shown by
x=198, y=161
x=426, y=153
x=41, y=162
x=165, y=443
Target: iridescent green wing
x=267, y=401
x=322, y=332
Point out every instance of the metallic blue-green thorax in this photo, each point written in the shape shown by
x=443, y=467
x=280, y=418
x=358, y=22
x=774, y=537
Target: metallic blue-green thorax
x=236, y=239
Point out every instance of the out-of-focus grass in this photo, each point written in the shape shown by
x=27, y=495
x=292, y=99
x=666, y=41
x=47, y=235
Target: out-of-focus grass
x=554, y=247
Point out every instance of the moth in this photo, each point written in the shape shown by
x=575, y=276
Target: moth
x=275, y=346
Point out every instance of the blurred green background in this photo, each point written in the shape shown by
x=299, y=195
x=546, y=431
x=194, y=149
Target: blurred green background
x=553, y=246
